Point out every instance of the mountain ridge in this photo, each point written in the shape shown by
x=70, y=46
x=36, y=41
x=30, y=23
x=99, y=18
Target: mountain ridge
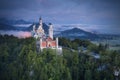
x=77, y=33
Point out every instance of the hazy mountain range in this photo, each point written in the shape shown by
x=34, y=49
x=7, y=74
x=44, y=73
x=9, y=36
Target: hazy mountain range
x=63, y=31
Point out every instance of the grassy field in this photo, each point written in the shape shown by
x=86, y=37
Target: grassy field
x=113, y=44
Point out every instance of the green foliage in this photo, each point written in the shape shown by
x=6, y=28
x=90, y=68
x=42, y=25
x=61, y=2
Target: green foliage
x=74, y=44
x=20, y=61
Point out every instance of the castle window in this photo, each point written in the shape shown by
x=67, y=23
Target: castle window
x=49, y=45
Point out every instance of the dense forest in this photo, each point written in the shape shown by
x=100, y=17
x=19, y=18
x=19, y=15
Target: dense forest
x=19, y=60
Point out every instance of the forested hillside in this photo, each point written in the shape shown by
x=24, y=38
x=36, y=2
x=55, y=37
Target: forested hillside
x=20, y=61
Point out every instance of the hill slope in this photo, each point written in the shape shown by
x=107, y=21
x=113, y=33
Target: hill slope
x=77, y=33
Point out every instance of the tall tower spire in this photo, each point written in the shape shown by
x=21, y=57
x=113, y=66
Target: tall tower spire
x=51, y=30
x=40, y=21
x=40, y=30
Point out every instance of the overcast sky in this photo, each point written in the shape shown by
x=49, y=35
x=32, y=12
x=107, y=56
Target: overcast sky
x=101, y=14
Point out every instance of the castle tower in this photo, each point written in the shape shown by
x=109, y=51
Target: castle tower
x=41, y=44
x=40, y=30
x=51, y=30
x=40, y=21
x=34, y=27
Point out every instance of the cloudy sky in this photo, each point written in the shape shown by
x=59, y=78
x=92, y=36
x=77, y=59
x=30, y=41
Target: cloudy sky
x=103, y=15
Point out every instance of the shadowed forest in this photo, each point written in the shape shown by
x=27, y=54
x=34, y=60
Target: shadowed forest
x=20, y=61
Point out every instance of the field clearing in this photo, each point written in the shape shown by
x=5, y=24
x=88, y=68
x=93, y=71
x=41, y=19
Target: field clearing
x=113, y=44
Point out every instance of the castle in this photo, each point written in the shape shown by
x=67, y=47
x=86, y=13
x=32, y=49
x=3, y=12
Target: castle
x=45, y=39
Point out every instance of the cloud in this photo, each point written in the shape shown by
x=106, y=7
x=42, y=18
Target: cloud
x=93, y=12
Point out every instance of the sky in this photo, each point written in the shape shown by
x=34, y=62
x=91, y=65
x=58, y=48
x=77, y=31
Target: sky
x=101, y=15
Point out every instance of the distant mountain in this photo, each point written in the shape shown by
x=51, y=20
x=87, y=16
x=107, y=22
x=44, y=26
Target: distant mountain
x=13, y=22
x=77, y=33
x=21, y=21
x=14, y=25
x=22, y=25
x=19, y=25
x=6, y=27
